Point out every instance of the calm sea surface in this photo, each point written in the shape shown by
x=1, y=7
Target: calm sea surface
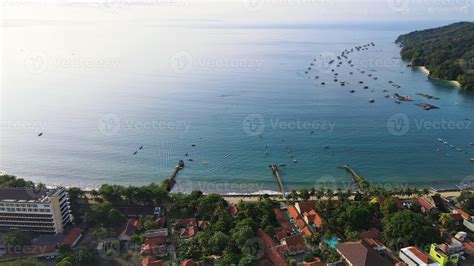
x=99, y=91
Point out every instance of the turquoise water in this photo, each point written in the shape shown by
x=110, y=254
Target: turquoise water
x=332, y=242
x=100, y=91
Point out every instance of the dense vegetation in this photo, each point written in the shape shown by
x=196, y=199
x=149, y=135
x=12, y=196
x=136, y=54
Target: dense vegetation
x=448, y=52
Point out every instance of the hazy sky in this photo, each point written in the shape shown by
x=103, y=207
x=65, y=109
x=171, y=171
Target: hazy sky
x=238, y=11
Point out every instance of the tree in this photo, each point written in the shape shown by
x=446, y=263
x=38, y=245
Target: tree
x=23, y=262
x=106, y=215
x=240, y=234
x=388, y=207
x=218, y=243
x=445, y=220
x=408, y=227
x=308, y=257
x=247, y=261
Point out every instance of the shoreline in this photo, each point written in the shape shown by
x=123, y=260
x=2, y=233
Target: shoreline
x=426, y=71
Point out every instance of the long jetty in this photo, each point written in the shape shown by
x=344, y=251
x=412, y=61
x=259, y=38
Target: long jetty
x=172, y=178
x=359, y=180
x=276, y=173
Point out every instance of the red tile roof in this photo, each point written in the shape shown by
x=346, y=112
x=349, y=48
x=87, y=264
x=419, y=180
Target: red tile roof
x=424, y=203
x=282, y=220
x=188, y=263
x=293, y=212
x=306, y=231
x=150, y=261
x=276, y=256
x=233, y=210
x=420, y=255
x=267, y=240
x=306, y=206
x=185, y=222
x=360, y=253
x=72, y=237
x=154, y=246
x=187, y=232
x=399, y=202
x=295, y=243
x=280, y=233
x=314, y=218
x=316, y=262
x=464, y=215
x=469, y=247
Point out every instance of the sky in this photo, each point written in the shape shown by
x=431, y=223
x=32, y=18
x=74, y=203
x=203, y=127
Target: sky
x=235, y=11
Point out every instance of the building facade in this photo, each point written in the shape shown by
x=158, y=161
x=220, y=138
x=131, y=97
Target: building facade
x=27, y=209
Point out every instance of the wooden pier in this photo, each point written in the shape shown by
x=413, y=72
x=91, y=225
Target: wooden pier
x=172, y=179
x=276, y=173
x=359, y=180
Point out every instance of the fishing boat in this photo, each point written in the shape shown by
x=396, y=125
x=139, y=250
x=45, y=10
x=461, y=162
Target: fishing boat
x=135, y=153
x=141, y=147
x=352, y=91
x=371, y=100
x=440, y=140
x=472, y=159
x=386, y=95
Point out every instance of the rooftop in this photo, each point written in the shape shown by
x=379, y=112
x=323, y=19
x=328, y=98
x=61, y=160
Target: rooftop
x=22, y=194
x=360, y=253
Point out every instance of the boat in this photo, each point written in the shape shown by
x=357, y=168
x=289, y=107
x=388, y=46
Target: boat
x=205, y=162
x=295, y=161
x=366, y=87
x=186, y=154
x=352, y=91
x=445, y=142
x=386, y=95
x=440, y=140
x=40, y=134
x=371, y=100
x=472, y=159
x=181, y=164
x=194, y=145
x=135, y=153
x=190, y=160
x=141, y=147
x=282, y=165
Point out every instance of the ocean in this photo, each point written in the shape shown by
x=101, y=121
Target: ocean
x=234, y=98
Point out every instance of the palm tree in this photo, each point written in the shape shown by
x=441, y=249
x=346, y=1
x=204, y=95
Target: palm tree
x=444, y=219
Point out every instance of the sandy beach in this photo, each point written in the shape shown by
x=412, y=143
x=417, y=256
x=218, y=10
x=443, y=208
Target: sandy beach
x=426, y=71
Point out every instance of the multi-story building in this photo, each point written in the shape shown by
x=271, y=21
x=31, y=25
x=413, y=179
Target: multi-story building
x=412, y=256
x=446, y=253
x=26, y=209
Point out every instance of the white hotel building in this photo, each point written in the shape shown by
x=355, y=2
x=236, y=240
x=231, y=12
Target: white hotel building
x=45, y=211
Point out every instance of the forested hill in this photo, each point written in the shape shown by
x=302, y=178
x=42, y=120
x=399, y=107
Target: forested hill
x=448, y=52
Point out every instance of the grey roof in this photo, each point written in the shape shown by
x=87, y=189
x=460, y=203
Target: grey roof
x=21, y=193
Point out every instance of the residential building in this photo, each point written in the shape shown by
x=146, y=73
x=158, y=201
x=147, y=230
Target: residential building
x=27, y=209
x=366, y=252
x=446, y=253
x=295, y=244
x=425, y=204
x=415, y=257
